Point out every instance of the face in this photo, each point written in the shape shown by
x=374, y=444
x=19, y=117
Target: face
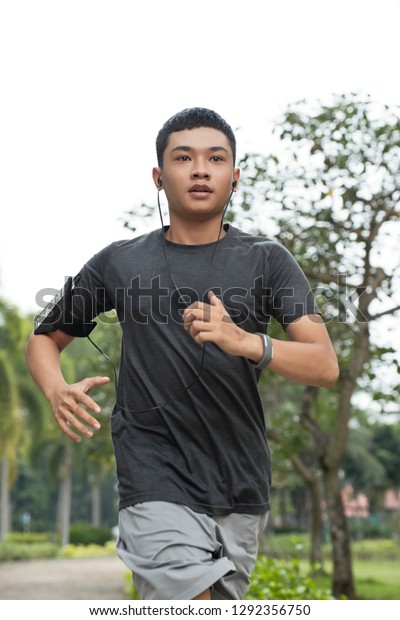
x=197, y=173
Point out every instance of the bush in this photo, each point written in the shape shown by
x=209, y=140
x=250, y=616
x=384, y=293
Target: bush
x=382, y=550
x=31, y=538
x=130, y=589
x=283, y=580
x=363, y=529
x=86, y=534
x=10, y=551
x=87, y=551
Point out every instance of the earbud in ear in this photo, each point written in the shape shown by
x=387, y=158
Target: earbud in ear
x=159, y=183
x=234, y=184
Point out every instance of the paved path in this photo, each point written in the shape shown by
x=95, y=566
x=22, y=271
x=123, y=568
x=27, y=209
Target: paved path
x=64, y=579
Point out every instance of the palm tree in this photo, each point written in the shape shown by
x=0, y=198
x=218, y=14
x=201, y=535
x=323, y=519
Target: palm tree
x=10, y=429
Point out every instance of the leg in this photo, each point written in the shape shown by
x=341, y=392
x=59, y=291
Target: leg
x=171, y=551
x=204, y=596
x=239, y=534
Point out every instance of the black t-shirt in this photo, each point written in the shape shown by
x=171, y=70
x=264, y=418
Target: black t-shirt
x=204, y=447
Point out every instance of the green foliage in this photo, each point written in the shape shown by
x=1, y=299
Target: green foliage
x=9, y=419
x=386, y=440
x=283, y=580
x=21, y=546
x=27, y=551
x=130, y=589
x=87, y=551
x=29, y=538
x=378, y=550
x=286, y=546
x=86, y=534
x=365, y=529
x=33, y=494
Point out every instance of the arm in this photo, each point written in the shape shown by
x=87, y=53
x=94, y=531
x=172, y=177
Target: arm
x=67, y=401
x=308, y=357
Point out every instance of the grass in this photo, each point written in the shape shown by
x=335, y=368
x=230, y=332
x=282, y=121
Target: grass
x=374, y=580
x=376, y=564
x=377, y=580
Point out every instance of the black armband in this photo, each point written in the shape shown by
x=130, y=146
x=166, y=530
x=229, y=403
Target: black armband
x=59, y=314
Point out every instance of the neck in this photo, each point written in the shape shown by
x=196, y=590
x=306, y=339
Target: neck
x=194, y=233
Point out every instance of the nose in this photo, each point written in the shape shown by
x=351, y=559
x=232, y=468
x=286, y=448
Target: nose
x=200, y=170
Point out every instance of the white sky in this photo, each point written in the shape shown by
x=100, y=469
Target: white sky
x=87, y=84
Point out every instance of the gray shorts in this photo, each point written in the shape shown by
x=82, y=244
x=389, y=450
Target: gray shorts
x=175, y=553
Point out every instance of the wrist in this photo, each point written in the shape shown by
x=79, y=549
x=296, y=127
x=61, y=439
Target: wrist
x=53, y=391
x=252, y=347
x=267, y=351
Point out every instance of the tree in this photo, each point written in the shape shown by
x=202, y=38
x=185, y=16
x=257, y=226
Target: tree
x=335, y=190
x=10, y=428
x=11, y=415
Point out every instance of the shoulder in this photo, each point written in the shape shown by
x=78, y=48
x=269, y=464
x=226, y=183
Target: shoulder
x=268, y=245
x=118, y=249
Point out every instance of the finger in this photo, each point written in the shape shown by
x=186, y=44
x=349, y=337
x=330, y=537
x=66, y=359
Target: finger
x=188, y=317
x=193, y=306
x=71, y=405
x=91, y=382
x=80, y=397
x=199, y=315
x=87, y=384
x=210, y=296
x=214, y=300
x=73, y=420
x=204, y=336
x=217, y=302
x=68, y=431
x=199, y=327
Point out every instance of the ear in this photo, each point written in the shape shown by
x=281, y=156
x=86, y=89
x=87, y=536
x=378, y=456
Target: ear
x=236, y=177
x=157, y=172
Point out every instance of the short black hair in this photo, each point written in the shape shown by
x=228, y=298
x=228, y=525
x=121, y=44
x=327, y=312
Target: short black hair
x=191, y=118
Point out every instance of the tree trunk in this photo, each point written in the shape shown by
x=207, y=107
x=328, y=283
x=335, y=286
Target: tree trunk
x=64, y=501
x=96, y=504
x=309, y=473
x=311, y=481
x=4, y=498
x=316, y=555
x=342, y=579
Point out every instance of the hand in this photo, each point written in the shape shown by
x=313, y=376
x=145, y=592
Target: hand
x=68, y=408
x=212, y=323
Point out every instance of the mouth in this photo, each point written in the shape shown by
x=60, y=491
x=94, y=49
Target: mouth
x=200, y=191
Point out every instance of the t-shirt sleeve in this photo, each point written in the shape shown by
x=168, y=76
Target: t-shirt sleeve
x=290, y=296
x=80, y=300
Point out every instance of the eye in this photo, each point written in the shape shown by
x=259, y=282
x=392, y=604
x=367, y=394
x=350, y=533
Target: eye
x=183, y=158
x=216, y=158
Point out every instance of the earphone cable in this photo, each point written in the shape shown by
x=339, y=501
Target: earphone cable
x=199, y=372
